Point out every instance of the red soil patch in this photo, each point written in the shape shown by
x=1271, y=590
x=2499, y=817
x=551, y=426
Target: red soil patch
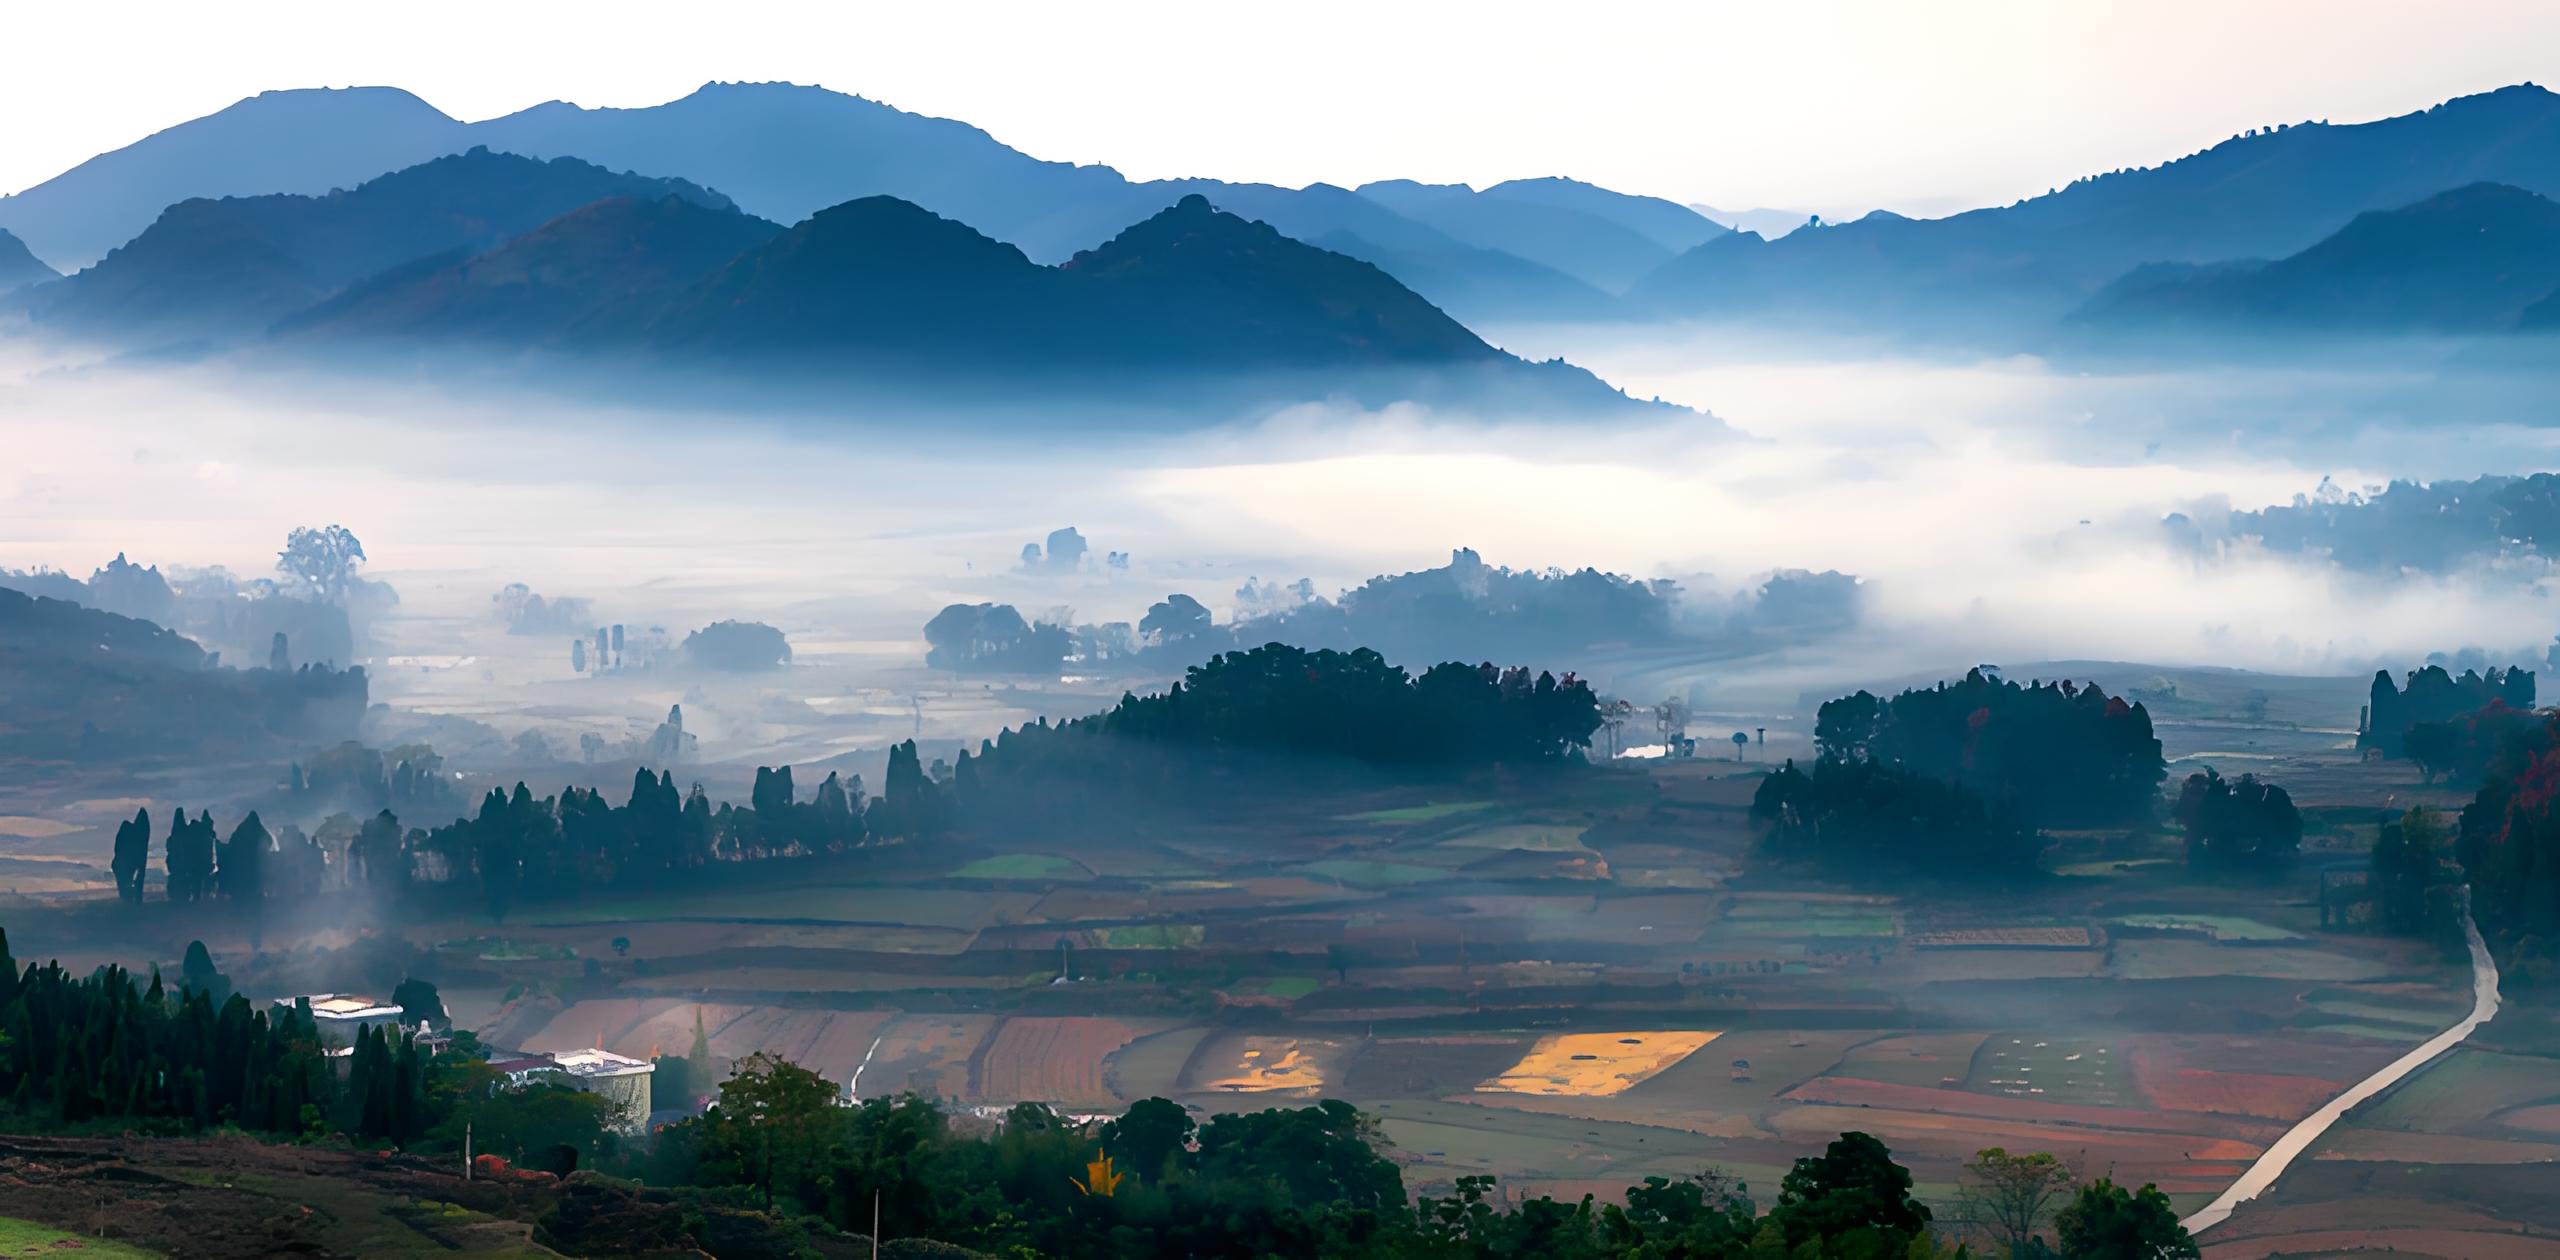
x=2175, y=1088
x=1958, y=1137
x=1052, y=1060
x=2541, y=1118
x=1853, y=1092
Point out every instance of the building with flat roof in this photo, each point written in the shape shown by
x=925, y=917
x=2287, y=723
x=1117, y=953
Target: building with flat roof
x=621, y=1080
x=346, y=1014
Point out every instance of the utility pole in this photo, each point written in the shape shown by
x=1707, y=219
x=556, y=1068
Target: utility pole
x=875, y=1223
x=466, y=1150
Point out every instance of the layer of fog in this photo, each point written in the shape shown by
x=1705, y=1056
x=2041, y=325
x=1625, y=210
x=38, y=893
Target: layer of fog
x=1998, y=511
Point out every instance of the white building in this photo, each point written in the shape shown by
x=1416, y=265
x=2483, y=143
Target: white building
x=622, y=1081
x=343, y=1015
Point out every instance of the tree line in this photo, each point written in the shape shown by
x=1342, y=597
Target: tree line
x=1235, y=714
x=1156, y=1181
x=2446, y=724
x=2059, y=754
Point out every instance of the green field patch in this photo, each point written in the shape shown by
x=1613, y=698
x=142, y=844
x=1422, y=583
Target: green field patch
x=2459, y=1094
x=2220, y=927
x=26, y=1238
x=1364, y=873
x=1024, y=866
x=1417, y=813
x=500, y=949
x=1152, y=936
x=1529, y=837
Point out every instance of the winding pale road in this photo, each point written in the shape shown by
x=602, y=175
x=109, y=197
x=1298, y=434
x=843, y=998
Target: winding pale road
x=2484, y=1003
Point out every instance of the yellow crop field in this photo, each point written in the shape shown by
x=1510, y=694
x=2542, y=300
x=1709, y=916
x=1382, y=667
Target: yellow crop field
x=1594, y=1065
x=1265, y=1065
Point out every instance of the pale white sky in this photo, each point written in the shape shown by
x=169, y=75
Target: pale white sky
x=1835, y=106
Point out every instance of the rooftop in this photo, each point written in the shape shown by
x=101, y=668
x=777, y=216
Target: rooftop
x=601, y=1063
x=344, y=1006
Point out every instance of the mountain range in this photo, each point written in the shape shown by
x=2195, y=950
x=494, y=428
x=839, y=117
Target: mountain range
x=2473, y=259
x=2267, y=194
x=786, y=151
x=228, y=268
x=2183, y=241
x=536, y=263
x=19, y=267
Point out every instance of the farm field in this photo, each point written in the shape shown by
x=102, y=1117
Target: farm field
x=1594, y=1065
x=1565, y=984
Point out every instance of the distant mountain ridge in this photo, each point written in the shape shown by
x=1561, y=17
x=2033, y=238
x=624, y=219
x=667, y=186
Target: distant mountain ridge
x=883, y=290
x=229, y=268
x=2268, y=194
x=18, y=267
x=785, y=152
x=2473, y=259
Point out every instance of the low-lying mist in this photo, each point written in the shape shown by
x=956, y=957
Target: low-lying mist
x=1999, y=510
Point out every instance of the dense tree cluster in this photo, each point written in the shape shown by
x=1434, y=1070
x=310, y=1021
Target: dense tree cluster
x=2243, y=823
x=2508, y=844
x=737, y=647
x=2438, y=719
x=2415, y=888
x=105, y=1047
x=1240, y=711
x=1861, y=815
x=994, y=639
x=2431, y=527
x=2057, y=754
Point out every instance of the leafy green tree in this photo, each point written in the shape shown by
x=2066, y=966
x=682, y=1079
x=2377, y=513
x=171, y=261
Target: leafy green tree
x=2105, y=1222
x=419, y=1002
x=1853, y=1187
x=1151, y=1139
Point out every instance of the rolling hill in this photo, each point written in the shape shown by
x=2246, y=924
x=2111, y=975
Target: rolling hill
x=306, y=141
x=1605, y=239
x=880, y=290
x=2470, y=260
x=18, y=267
x=227, y=269
x=2266, y=195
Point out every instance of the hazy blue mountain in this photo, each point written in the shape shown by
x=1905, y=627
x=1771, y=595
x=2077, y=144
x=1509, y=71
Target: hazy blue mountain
x=2469, y=260
x=2267, y=195
x=784, y=152
x=1769, y=223
x=595, y=271
x=308, y=140
x=18, y=267
x=230, y=268
x=1667, y=223
x=881, y=291
x=1481, y=286
x=1190, y=286
x=1557, y=223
